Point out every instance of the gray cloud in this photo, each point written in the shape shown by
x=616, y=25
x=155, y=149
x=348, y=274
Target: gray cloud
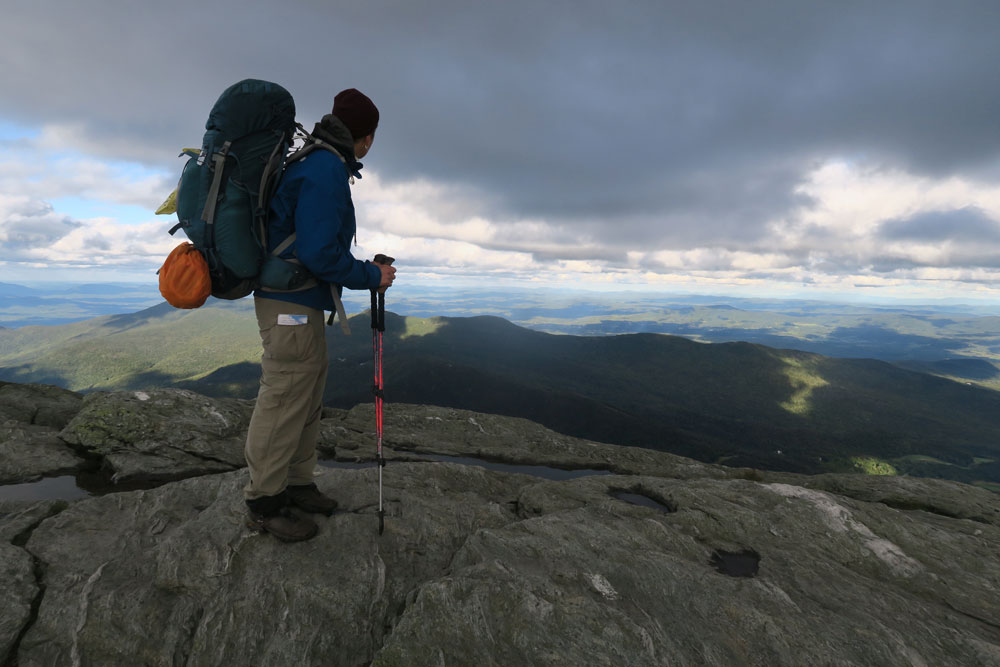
x=97, y=242
x=27, y=224
x=969, y=225
x=635, y=124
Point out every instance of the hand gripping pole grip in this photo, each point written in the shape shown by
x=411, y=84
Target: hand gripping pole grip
x=378, y=296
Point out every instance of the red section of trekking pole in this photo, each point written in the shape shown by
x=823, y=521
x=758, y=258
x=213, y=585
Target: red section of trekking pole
x=378, y=328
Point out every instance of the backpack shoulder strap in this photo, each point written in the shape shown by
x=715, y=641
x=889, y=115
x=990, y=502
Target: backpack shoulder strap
x=311, y=144
x=284, y=245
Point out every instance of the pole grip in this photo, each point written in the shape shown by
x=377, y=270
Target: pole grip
x=383, y=260
x=378, y=296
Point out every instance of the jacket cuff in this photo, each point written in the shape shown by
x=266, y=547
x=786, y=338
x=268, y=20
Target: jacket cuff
x=375, y=272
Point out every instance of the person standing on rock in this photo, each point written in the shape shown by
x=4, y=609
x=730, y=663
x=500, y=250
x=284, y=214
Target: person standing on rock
x=313, y=201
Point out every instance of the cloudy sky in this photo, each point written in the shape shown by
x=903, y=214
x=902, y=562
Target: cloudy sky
x=780, y=147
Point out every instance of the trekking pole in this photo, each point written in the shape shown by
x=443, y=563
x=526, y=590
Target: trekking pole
x=378, y=328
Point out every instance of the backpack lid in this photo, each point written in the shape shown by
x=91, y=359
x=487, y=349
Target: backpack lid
x=251, y=105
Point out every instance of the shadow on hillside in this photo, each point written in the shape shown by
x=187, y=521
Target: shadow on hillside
x=865, y=341
x=166, y=311
x=131, y=320
x=844, y=342
x=967, y=369
x=25, y=374
x=234, y=381
x=886, y=411
x=147, y=380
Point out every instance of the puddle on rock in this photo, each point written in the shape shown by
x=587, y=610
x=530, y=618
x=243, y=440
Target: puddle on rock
x=643, y=501
x=47, y=488
x=744, y=563
x=345, y=465
x=83, y=484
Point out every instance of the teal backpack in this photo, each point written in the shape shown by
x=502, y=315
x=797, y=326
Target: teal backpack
x=225, y=190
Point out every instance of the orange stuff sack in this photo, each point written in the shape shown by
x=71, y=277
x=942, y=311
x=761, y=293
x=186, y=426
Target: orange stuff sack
x=184, y=278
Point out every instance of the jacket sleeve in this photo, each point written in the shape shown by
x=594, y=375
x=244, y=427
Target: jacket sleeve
x=323, y=206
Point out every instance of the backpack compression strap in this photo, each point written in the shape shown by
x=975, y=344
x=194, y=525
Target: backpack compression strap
x=212, y=200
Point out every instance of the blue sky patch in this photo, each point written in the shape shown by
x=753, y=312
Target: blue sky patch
x=10, y=131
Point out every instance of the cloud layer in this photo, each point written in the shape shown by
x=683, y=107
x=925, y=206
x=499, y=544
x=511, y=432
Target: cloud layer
x=789, y=141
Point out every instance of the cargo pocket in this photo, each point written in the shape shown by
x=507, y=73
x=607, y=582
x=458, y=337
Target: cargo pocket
x=287, y=342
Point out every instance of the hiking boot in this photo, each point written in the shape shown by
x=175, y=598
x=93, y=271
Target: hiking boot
x=283, y=524
x=309, y=499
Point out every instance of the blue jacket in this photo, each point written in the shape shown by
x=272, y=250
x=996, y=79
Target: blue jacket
x=314, y=200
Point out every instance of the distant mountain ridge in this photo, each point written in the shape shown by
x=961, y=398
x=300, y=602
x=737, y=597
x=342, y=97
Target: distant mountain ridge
x=13, y=289
x=737, y=403
x=60, y=303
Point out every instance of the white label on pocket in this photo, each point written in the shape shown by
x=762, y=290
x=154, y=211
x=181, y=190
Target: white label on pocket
x=293, y=319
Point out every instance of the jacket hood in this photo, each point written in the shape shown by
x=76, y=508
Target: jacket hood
x=333, y=131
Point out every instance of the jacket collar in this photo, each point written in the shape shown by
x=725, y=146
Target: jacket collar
x=332, y=131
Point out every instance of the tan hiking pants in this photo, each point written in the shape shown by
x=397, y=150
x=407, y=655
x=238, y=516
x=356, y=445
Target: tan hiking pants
x=284, y=429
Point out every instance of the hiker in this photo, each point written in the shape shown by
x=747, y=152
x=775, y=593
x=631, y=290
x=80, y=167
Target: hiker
x=313, y=201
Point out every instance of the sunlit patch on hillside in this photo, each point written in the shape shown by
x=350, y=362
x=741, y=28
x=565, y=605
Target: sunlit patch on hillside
x=418, y=326
x=870, y=465
x=804, y=381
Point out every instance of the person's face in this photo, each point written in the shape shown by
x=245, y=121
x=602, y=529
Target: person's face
x=363, y=145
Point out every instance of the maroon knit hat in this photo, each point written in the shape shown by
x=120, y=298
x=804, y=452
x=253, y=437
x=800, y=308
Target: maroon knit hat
x=356, y=111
